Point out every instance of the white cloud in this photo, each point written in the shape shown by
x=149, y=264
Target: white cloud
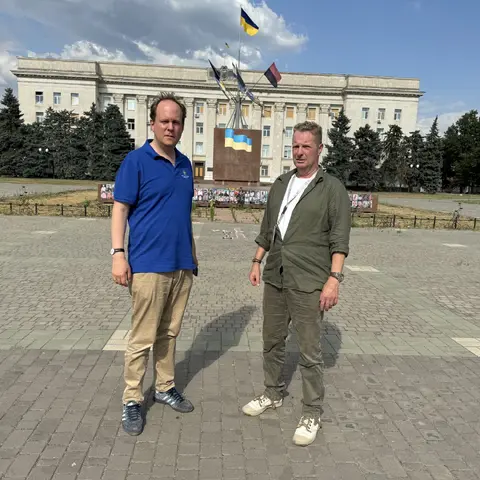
x=185, y=32
x=447, y=112
x=8, y=62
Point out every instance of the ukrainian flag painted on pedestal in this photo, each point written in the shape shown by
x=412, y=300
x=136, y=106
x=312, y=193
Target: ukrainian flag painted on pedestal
x=237, y=142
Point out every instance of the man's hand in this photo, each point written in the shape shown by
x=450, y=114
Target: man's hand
x=121, y=271
x=255, y=274
x=329, y=295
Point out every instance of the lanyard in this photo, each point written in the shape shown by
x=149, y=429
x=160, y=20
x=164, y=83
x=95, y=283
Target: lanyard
x=289, y=201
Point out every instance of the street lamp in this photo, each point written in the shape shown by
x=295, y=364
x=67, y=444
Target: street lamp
x=46, y=151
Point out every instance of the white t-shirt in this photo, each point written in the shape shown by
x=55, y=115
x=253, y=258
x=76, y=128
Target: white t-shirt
x=296, y=187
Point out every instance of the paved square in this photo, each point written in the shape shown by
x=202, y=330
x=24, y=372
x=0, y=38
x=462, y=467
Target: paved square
x=401, y=354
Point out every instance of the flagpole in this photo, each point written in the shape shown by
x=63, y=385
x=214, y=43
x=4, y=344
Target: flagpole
x=238, y=103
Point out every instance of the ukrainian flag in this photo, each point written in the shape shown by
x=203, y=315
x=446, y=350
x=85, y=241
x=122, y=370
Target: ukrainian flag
x=237, y=142
x=248, y=24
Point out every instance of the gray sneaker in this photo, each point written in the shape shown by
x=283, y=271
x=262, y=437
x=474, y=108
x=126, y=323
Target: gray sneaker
x=174, y=399
x=132, y=419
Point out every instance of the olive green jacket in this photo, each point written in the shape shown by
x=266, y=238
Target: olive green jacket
x=319, y=227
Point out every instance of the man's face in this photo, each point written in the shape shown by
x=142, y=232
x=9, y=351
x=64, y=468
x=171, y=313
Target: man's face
x=306, y=151
x=167, y=126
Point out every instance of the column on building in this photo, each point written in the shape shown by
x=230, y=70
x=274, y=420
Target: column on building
x=209, y=136
x=186, y=146
x=257, y=117
x=119, y=101
x=301, y=112
x=277, y=144
x=142, y=120
x=324, y=122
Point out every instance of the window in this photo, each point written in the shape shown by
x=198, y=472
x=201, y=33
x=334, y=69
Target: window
x=290, y=112
x=397, y=115
x=198, y=148
x=199, y=108
x=264, y=171
x=334, y=113
x=265, y=151
x=380, y=131
x=266, y=130
x=38, y=98
x=289, y=132
x=312, y=113
x=286, y=169
x=267, y=111
x=75, y=99
x=199, y=128
x=245, y=110
x=57, y=98
x=365, y=112
x=222, y=108
x=131, y=104
x=222, y=125
x=381, y=114
x=107, y=101
x=39, y=117
x=287, y=151
x=132, y=144
x=131, y=124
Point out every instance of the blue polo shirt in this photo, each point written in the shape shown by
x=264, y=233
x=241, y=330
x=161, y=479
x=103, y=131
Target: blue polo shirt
x=160, y=198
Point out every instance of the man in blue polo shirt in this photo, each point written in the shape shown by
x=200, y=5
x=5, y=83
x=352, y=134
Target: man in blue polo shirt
x=153, y=192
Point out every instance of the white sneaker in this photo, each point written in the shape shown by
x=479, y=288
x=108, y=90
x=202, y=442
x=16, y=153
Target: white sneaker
x=259, y=404
x=306, y=431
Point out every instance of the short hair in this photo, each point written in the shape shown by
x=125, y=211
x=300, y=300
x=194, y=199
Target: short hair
x=167, y=96
x=314, y=128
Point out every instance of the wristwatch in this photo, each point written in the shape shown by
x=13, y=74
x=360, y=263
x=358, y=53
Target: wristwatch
x=113, y=251
x=338, y=275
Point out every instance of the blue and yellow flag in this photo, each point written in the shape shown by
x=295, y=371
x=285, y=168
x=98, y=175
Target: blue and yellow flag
x=237, y=142
x=248, y=24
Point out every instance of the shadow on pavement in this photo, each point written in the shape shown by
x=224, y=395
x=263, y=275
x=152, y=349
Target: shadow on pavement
x=223, y=332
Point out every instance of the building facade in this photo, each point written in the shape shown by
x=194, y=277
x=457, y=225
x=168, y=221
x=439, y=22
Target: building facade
x=75, y=85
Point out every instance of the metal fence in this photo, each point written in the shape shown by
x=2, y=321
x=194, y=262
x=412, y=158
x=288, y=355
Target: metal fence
x=372, y=220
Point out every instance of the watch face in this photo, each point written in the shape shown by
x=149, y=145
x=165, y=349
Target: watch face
x=112, y=251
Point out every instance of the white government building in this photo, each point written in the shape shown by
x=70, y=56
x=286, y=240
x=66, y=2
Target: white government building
x=75, y=85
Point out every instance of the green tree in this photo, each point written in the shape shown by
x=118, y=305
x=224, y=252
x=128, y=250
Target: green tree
x=393, y=156
x=117, y=144
x=461, y=149
x=431, y=166
x=35, y=162
x=412, y=167
x=91, y=130
x=366, y=158
x=11, y=123
x=340, y=150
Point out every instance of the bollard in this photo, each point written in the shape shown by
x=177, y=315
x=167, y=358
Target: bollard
x=374, y=219
x=36, y=209
x=85, y=209
x=415, y=222
x=475, y=223
x=434, y=222
x=11, y=208
x=61, y=209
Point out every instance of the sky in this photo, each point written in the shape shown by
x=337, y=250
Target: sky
x=433, y=40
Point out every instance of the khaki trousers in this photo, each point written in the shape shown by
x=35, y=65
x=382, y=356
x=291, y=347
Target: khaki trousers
x=280, y=307
x=159, y=301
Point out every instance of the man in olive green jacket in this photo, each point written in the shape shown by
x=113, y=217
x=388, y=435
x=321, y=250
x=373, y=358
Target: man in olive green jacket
x=306, y=232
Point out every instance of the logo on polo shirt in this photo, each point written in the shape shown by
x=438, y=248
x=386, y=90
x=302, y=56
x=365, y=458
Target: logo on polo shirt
x=185, y=174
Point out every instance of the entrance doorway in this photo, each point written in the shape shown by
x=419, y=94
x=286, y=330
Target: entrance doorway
x=198, y=170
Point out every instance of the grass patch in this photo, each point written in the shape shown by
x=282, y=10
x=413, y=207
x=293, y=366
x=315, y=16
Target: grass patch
x=52, y=181
x=465, y=198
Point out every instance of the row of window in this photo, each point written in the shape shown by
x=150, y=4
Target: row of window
x=57, y=98
x=222, y=108
x=264, y=170
x=381, y=114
